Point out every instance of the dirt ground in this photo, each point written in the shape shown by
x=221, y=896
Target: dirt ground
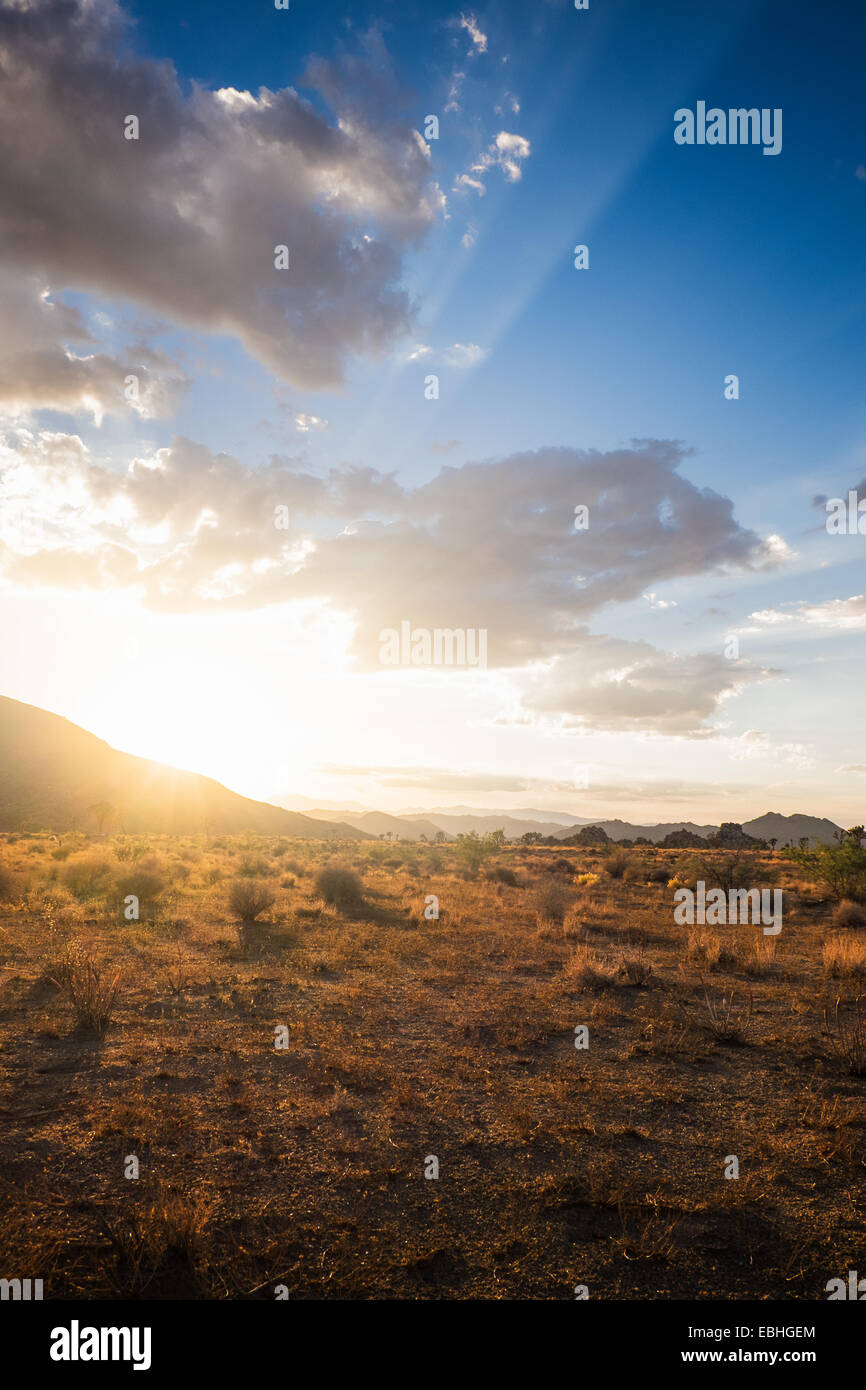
x=413, y=1039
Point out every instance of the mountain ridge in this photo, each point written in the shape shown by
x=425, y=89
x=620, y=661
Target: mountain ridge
x=56, y=776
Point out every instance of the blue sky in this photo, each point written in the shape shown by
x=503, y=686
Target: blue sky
x=703, y=262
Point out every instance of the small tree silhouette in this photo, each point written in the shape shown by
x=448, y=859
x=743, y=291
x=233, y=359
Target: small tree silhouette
x=103, y=812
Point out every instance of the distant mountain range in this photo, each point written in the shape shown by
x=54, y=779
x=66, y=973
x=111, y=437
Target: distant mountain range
x=454, y=821
x=57, y=776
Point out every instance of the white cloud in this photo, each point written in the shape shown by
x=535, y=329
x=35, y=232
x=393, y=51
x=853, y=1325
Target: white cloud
x=191, y=530
x=479, y=40
x=834, y=615
x=508, y=103
x=458, y=355
x=185, y=219
x=506, y=152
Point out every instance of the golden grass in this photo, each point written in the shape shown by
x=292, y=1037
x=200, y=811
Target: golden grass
x=410, y=1037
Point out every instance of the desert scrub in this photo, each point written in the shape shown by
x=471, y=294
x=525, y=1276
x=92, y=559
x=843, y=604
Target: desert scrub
x=500, y=873
x=617, y=864
x=635, y=968
x=88, y=877
x=707, y=948
x=849, y=915
x=588, y=970
x=552, y=901
x=140, y=883
x=8, y=884
x=845, y=956
x=339, y=885
x=91, y=993
x=248, y=898
x=253, y=866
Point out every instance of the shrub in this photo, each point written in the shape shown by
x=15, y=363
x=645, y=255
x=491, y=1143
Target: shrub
x=846, y=1029
x=500, y=873
x=8, y=884
x=635, y=970
x=253, y=866
x=91, y=994
x=725, y=870
x=130, y=851
x=707, y=948
x=845, y=956
x=67, y=959
x=588, y=970
x=561, y=866
x=88, y=877
x=617, y=863
x=473, y=849
x=728, y=1021
x=841, y=867
x=143, y=883
x=339, y=885
x=849, y=914
x=552, y=901
x=248, y=898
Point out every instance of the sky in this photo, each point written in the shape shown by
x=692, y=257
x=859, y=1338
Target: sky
x=223, y=479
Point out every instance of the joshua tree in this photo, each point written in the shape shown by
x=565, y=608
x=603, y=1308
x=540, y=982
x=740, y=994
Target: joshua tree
x=103, y=812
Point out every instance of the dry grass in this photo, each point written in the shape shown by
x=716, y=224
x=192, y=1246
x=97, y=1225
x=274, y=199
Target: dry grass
x=411, y=1036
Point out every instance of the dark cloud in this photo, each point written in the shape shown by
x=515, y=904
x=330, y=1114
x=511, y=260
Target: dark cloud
x=185, y=219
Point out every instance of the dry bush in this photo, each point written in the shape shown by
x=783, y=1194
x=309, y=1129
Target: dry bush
x=91, y=994
x=253, y=866
x=248, y=898
x=500, y=873
x=88, y=877
x=144, y=884
x=849, y=914
x=845, y=956
x=171, y=1228
x=635, y=968
x=617, y=864
x=8, y=884
x=727, y=1020
x=846, y=1029
x=63, y=960
x=588, y=970
x=761, y=960
x=339, y=885
x=705, y=946
x=551, y=900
